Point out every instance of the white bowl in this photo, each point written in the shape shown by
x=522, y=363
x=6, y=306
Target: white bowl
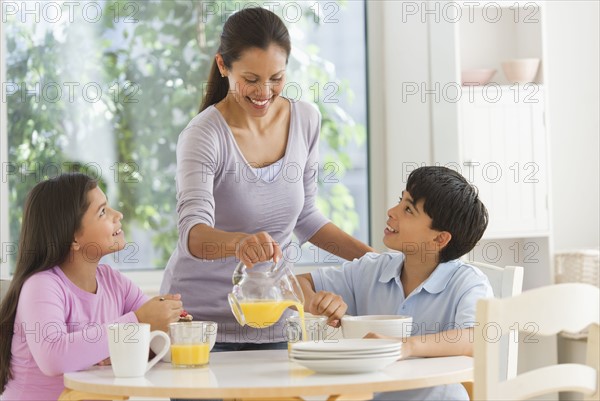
x=210, y=332
x=388, y=325
x=521, y=70
x=477, y=76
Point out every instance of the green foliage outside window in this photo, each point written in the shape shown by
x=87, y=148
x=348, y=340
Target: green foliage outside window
x=150, y=59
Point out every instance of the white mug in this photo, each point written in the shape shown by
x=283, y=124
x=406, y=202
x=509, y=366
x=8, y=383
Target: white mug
x=129, y=345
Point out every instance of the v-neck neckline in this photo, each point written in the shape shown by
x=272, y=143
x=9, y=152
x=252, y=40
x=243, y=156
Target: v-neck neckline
x=241, y=154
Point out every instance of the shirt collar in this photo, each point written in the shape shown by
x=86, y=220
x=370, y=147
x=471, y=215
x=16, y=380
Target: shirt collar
x=435, y=283
x=392, y=270
x=441, y=276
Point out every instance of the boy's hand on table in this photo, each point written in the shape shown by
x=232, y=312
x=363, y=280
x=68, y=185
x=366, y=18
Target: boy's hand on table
x=405, y=352
x=328, y=304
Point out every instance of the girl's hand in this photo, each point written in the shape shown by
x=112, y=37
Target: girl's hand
x=104, y=362
x=328, y=304
x=259, y=247
x=160, y=311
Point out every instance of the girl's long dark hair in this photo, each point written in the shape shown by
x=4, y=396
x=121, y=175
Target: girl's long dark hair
x=51, y=217
x=243, y=30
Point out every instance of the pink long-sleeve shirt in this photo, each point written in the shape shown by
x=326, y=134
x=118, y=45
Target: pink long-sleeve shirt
x=61, y=328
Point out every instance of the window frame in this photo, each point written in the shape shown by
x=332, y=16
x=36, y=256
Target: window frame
x=149, y=279
x=4, y=226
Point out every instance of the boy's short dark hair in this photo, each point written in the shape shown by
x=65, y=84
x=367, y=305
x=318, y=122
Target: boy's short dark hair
x=453, y=205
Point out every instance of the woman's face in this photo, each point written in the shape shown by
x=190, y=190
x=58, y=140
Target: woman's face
x=256, y=79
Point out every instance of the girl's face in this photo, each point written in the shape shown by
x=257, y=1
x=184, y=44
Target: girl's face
x=100, y=233
x=256, y=79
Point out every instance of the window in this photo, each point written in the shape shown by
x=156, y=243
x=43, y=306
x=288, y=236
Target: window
x=105, y=87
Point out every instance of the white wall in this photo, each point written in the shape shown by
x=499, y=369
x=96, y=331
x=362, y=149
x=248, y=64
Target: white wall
x=399, y=125
x=572, y=48
x=573, y=73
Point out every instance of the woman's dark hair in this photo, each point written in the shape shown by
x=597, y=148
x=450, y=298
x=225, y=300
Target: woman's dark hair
x=248, y=28
x=453, y=205
x=51, y=217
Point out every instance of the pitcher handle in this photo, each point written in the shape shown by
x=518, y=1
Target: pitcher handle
x=238, y=273
x=236, y=308
x=285, y=267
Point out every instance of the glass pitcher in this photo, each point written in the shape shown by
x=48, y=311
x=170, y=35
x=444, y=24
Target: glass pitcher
x=260, y=295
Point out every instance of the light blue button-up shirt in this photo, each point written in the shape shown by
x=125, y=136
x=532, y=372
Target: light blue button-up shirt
x=445, y=301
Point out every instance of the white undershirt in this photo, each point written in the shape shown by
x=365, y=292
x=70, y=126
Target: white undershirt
x=270, y=172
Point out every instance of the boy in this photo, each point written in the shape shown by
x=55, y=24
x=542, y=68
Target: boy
x=439, y=218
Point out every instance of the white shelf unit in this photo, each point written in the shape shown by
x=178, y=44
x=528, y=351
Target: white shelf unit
x=497, y=134
x=504, y=31
x=501, y=147
x=501, y=127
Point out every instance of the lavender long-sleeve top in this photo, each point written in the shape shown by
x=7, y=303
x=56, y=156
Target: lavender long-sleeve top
x=216, y=186
x=61, y=328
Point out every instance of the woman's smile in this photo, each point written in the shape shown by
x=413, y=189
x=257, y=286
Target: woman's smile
x=259, y=103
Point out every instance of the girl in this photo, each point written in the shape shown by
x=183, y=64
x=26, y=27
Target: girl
x=55, y=314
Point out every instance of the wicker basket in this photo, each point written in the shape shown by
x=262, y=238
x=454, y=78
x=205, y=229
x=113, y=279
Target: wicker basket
x=577, y=267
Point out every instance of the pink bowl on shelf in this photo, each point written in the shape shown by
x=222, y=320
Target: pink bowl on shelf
x=477, y=76
x=521, y=70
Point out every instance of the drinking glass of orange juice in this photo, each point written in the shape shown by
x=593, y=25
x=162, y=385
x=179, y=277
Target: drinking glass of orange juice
x=190, y=347
x=314, y=326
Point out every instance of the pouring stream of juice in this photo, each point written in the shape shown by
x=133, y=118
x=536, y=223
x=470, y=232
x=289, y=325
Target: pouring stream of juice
x=263, y=313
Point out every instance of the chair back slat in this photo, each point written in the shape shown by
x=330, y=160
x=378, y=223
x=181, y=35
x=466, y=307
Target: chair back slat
x=541, y=311
x=506, y=282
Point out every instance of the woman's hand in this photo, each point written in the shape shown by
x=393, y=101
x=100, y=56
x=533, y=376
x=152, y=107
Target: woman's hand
x=259, y=247
x=160, y=311
x=328, y=304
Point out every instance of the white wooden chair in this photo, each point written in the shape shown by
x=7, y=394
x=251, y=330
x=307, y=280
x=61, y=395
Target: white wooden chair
x=506, y=282
x=541, y=311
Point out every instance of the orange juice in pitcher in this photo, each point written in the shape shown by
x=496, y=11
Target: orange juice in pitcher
x=261, y=295
x=264, y=313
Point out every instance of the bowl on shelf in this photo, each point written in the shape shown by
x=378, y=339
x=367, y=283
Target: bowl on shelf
x=522, y=70
x=477, y=76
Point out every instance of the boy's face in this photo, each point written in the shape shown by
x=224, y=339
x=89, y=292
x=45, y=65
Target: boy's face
x=409, y=229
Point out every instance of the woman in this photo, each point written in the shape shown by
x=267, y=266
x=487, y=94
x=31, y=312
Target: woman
x=246, y=178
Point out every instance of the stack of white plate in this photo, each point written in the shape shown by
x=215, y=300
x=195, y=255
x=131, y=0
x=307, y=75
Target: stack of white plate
x=346, y=355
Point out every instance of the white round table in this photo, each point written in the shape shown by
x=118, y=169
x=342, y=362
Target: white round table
x=263, y=374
